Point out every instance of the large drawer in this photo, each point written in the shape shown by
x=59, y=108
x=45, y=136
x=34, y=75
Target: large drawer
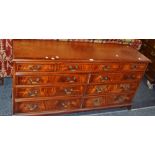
x=49, y=91
x=94, y=102
x=111, y=88
x=45, y=106
x=51, y=79
x=116, y=77
x=118, y=99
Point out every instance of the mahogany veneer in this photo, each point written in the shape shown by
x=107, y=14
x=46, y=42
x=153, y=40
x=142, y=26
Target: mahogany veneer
x=55, y=77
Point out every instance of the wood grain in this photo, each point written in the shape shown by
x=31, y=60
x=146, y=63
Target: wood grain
x=56, y=77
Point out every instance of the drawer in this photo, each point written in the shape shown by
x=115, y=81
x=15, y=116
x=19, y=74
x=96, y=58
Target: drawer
x=134, y=67
x=117, y=99
x=45, y=106
x=25, y=107
x=52, y=79
x=131, y=76
x=28, y=67
x=75, y=67
x=105, y=67
x=111, y=88
x=105, y=78
x=49, y=91
x=94, y=102
x=115, y=77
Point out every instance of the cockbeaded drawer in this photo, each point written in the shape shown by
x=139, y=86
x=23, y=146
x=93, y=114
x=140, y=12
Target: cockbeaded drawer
x=51, y=79
x=45, y=106
x=60, y=90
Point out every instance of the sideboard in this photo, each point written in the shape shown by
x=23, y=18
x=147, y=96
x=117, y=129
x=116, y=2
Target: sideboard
x=55, y=77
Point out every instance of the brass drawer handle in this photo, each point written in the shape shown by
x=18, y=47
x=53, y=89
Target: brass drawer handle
x=34, y=67
x=119, y=99
x=68, y=91
x=33, y=82
x=130, y=77
x=99, y=89
x=134, y=66
x=106, y=67
x=73, y=68
x=152, y=53
x=71, y=80
x=97, y=102
x=65, y=104
x=104, y=78
x=33, y=93
x=32, y=107
x=125, y=86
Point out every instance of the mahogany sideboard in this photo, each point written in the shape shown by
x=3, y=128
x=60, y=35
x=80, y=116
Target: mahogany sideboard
x=56, y=77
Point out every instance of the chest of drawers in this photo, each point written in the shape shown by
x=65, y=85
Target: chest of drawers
x=56, y=77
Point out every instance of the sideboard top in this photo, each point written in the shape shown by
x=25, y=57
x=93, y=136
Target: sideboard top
x=43, y=49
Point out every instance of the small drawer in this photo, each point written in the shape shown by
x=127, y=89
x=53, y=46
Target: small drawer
x=118, y=99
x=49, y=91
x=134, y=67
x=94, y=102
x=52, y=79
x=105, y=78
x=28, y=67
x=106, y=67
x=111, y=88
x=47, y=106
x=75, y=67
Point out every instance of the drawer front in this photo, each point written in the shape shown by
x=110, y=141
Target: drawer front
x=35, y=67
x=25, y=107
x=134, y=67
x=116, y=77
x=60, y=78
x=49, y=91
x=105, y=78
x=94, y=102
x=78, y=67
x=111, y=88
x=45, y=106
x=131, y=76
x=105, y=67
x=118, y=99
x=75, y=67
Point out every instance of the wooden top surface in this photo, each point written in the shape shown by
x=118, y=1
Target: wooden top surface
x=39, y=49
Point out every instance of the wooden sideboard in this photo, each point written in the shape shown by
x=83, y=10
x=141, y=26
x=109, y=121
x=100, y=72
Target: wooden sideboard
x=56, y=77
